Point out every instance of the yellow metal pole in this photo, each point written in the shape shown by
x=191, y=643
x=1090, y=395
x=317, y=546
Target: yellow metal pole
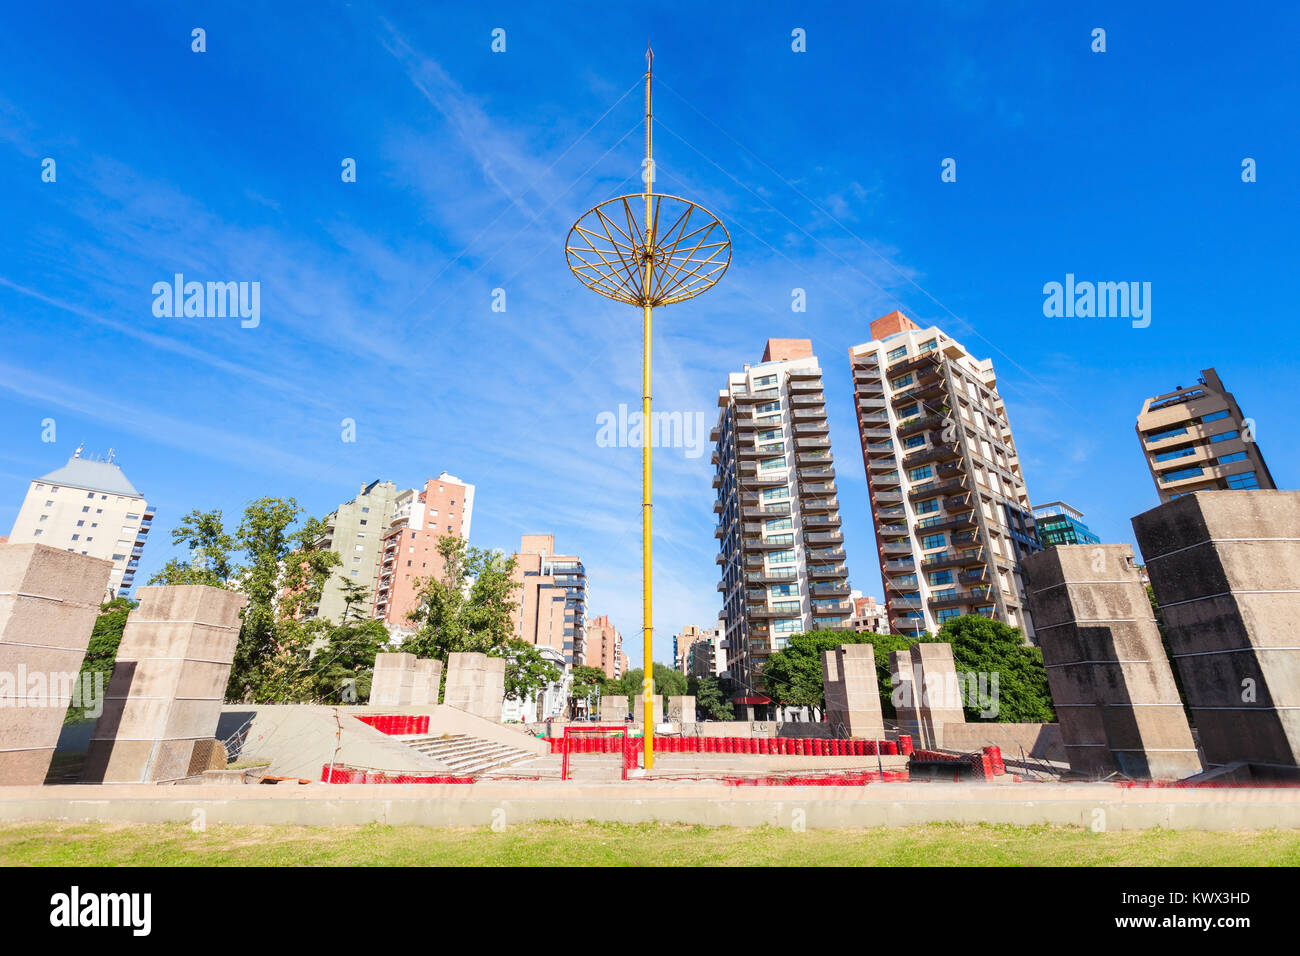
x=648, y=676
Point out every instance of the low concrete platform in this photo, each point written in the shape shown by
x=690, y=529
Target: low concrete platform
x=712, y=804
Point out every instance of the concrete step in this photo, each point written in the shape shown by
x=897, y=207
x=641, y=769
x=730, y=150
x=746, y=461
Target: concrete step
x=466, y=755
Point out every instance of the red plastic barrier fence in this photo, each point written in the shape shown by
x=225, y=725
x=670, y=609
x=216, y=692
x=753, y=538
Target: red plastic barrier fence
x=342, y=774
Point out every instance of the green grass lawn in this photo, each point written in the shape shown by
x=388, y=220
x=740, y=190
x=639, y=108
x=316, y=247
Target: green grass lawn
x=607, y=844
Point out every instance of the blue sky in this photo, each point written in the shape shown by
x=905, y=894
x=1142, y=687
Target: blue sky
x=472, y=165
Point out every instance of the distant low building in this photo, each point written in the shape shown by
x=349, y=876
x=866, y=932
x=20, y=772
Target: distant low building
x=869, y=615
x=1058, y=523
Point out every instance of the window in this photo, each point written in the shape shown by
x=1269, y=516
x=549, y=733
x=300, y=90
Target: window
x=37, y=533
x=781, y=557
x=1213, y=417
x=785, y=590
x=1178, y=453
x=947, y=614
x=918, y=474
x=945, y=594
x=84, y=510
x=786, y=607
x=768, y=407
x=1181, y=474
x=364, y=521
x=779, y=524
x=49, y=504
x=903, y=382
x=80, y=523
x=928, y=506
x=769, y=463
x=914, y=441
x=897, y=353
x=765, y=381
x=941, y=577
x=365, y=511
x=771, y=434
x=76, y=537
x=90, y=494
x=933, y=541
x=770, y=494
x=928, y=346
x=1224, y=436
x=787, y=626
x=119, y=557
x=908, y=411
x=1245, y=480
x=1235, y=456
x=1161, y=436
x=44, y=517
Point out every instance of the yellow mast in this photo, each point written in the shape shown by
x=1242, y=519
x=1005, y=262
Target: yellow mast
x=647, y=584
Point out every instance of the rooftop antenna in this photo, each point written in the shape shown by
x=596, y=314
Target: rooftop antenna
x=77, y=453
x=111, y=454
x=674, y=252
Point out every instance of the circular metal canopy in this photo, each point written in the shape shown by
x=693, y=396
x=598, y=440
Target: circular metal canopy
x=688, y=249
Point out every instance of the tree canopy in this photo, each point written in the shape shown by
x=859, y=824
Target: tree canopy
x=468, y=606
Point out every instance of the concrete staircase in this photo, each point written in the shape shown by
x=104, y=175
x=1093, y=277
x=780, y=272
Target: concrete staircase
x=465, y=755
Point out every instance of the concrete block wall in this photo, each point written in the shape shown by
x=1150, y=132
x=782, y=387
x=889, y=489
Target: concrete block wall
x=852, y=691
x=427, y=682
x=638, y=709
x=681, y=709
x=613, y=707
x=903, y=693
x=168, y=684
x=49, y=599
x=476, y=684
x=394, y=680
x=937, y=694
x=1225, y=569
x=1112, y=686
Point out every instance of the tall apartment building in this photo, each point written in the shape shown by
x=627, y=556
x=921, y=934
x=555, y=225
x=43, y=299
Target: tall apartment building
x=420, y=516
x=1196, y=439
x=1057, y=523
x=553, y=600
x=948, y=496
x=89, y=507
x=355, y=531
x=605, y=647
x=782, y=551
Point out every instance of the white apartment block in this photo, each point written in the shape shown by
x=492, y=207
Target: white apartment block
x=952, y=516
x=89, y=507
x=782, y=551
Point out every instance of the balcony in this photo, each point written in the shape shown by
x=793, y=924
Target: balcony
x=922, y=423
x=820, y=520
x=867, y=373
x=824, y=473
x=963, y=520
x=816, y=488
x=823, y=571
x=896, y=547
x=834, y=608
x=941, y=451
x=820, y=457
x=821, y=504
x=904, y=604
x=891, y=531
x=927, y=363
x=920, y=393
x=808, y=414
x=874, y=433
x=900, y=567
x=774, y=543
x=805, y=398
x=880, y=448
x=972, y=596
x=952, y=559
x=974, y=577
x=826, y=556
x=811, y=427
x=886, y=497
x=718, y=506
x=830, y=590
x=805, y=384
x=771, y=576
x=931, y=488
x=823, y=537
x=883, y=464
x=811, y=443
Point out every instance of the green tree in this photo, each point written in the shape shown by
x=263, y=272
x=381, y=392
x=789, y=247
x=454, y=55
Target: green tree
x=527, y=671
x=588, y=682
x=667, y=681
x=101, y=652
x=709, y=700
x=981, y=645
x=343, y=669
x=793, y=676
x=466, y=608
x=282, y=573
